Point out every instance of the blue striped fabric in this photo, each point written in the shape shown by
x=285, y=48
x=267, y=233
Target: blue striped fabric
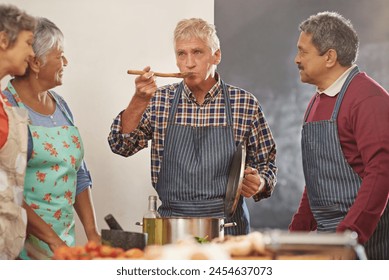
x=195, y=168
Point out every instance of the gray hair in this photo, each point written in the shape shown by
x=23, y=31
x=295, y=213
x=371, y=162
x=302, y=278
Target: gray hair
x=197, y=28
x=330, y=30
x=13, y=21
x=47, y=36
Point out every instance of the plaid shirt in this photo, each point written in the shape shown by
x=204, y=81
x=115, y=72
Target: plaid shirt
x=249, y=125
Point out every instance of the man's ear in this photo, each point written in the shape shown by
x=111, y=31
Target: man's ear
x=217, y=57
x=331, y=57
x=4, y=40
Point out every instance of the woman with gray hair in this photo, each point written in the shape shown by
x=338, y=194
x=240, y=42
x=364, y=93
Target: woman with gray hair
x=16, y=37
x=56, y=178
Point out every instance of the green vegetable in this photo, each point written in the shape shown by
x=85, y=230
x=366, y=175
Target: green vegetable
x=202, y=240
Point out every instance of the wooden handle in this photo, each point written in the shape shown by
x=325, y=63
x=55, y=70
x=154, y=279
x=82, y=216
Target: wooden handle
x=158, y=74
x=135, y=72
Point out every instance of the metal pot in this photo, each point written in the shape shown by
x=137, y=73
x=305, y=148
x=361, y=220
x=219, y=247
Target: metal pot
x=169, y=230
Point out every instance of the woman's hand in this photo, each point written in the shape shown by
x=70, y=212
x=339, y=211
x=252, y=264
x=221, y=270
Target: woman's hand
x=95, y=237
x=55, y=242
x=40, y=229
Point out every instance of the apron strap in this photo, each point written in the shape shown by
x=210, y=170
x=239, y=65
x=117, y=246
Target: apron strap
x=56, y=98
x=176, y=100
x=227, y=102
x=61, y=106
x=339, y=100
x=309, y=109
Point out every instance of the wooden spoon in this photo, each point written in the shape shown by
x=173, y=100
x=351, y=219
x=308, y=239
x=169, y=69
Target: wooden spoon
x=158, y=74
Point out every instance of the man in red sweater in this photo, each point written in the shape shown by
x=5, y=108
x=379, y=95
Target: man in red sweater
x=345, y=138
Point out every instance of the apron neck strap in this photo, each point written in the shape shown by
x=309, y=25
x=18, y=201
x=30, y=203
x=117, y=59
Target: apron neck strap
x=339, y=98
x=61, y=106
x=56, y=99
x=342, y=92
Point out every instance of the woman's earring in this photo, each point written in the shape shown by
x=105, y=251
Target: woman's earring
x=36, y=75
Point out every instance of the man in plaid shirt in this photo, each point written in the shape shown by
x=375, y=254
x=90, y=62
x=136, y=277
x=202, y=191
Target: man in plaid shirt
x=195, y=127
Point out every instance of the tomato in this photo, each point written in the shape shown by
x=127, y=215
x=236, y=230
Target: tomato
x=93, y=250
x=92, y=246
x=133, y=253
x=105, y=251
x=62, y=253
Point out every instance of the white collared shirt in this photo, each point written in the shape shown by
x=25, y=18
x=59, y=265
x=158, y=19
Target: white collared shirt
x=336, y=86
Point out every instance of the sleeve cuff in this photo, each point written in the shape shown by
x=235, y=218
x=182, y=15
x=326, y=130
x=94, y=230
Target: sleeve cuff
x=260, y=193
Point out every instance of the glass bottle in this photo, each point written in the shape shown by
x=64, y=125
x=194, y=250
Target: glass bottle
x=150, y=222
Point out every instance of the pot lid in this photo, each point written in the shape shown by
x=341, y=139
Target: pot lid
x=235, y=178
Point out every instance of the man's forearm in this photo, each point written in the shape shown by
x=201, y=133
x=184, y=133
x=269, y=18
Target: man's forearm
x=132, y=115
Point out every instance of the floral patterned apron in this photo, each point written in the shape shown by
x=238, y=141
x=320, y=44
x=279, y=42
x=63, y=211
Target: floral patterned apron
x=51, y=178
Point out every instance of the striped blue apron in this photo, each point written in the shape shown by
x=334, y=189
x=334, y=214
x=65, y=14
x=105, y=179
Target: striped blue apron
x=332, y=184
x=194, y=170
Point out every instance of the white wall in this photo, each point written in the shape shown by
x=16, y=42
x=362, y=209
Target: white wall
x=102, y=40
